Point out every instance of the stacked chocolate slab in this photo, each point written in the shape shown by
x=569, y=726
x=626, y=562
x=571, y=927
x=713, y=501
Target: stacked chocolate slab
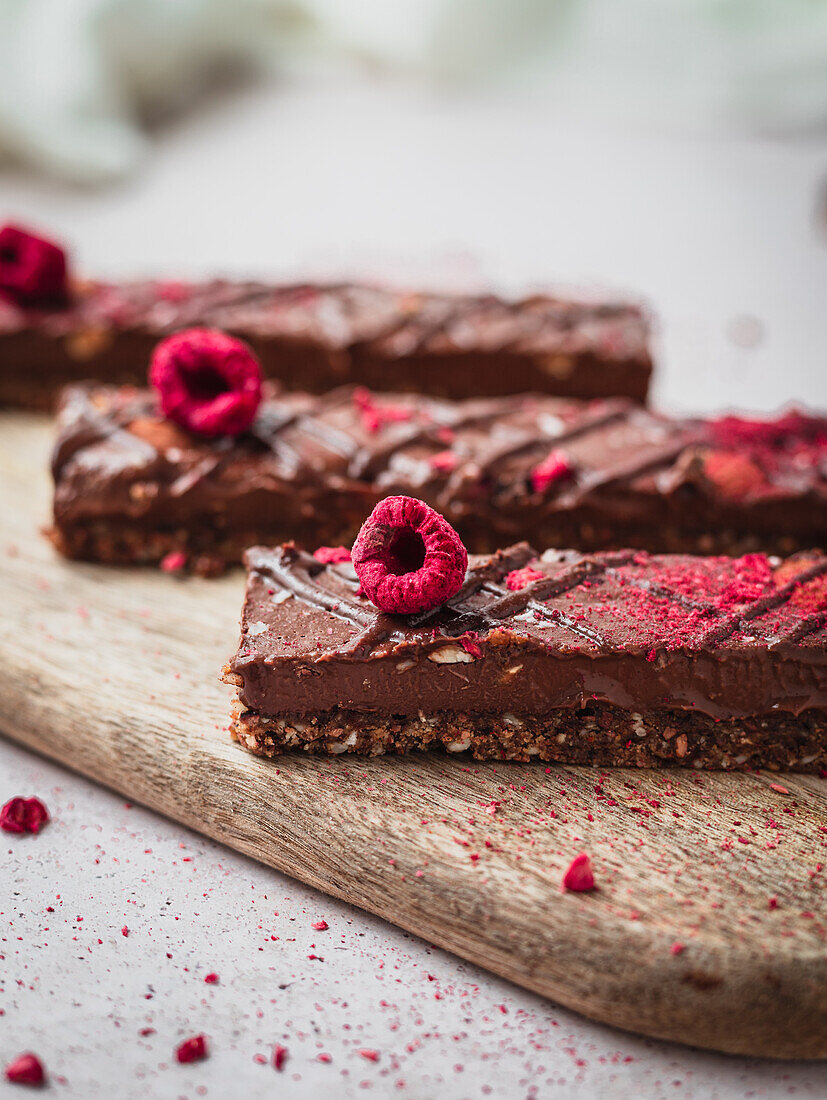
x=620, y=658
x=314, y=338
x=132, y=487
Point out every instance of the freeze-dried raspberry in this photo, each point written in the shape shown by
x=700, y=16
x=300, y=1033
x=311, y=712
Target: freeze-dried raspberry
x=556, y=467
x=470, y=643
x=208, y=382
x=521, y=578
x=579, y=876
x=192, y=1050
x=32, y=270
x=330, y=555
x=734, y=475
x=23, y=815
x=26, y=1070
x=279, y=1056
x=787, y=430
x=376, y=416
x=408, y=557
x=174, y=561
x=444, y=461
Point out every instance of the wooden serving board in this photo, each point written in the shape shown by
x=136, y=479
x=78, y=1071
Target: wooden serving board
x=708, y=924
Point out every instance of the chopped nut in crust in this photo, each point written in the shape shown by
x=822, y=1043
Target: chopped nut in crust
x=451, y=655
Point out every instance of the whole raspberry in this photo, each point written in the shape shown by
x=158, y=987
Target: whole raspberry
x=408, y=557
x=555, y=467
x=579, y=877
x=208, y=382
x=32, y=270
x=26, y=1070
x=23, y=815
x=192, y=1050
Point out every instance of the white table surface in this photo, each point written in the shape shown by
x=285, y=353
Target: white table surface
x=728, y=241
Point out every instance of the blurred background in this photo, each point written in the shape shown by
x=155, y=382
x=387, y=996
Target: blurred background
x=671, y=149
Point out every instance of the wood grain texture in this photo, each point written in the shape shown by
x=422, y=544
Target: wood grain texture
x=115, y=674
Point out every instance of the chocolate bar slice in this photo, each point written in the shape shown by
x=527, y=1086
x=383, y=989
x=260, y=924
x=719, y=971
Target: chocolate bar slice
x=131, y=487
x=619, y=658
x=314, y=338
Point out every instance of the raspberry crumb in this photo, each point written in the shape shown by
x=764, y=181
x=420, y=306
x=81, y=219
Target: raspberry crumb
x=174, y=561
x=579, y=877
x=369, y=1055
x=192, y=1050
x=26, y=1070
x=521, y=578
x=677, y=948
x=323, y=1058
x=773, y=902
x=23, y=815
x=470, y=644
x=376, y=416
x=555, y=467
x=444, y=461
x=330, y=555
x=320, y=925
x=211, y=979
x=279, y=1056
x=124, y=931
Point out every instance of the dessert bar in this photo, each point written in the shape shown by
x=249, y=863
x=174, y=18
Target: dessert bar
x=314, y=338
x=131, y=486
x=619, y=658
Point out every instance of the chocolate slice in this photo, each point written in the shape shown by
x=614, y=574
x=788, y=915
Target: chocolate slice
x=620, y=658
x=130, y=487
x=316, y=337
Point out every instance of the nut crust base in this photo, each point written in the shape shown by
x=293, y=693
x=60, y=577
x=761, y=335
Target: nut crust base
x=597, y=735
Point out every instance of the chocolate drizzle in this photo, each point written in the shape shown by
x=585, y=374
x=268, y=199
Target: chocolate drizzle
x=314, y=337
x=299, y=573
x=760, y=606
x=333, y=424
x=95, y=423
x=637, y=478
x=296, y=571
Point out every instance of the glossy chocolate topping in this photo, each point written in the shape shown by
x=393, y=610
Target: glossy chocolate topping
x=314, y=467
x=727, y=637
x=346, y=315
